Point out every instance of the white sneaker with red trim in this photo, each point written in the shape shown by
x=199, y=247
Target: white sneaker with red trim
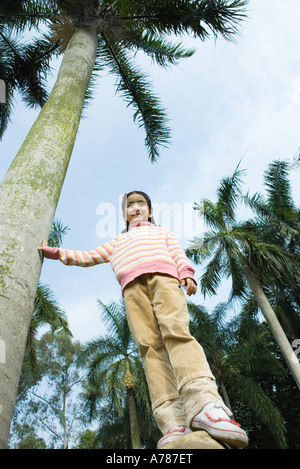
x=214, y=418
x=173, y=434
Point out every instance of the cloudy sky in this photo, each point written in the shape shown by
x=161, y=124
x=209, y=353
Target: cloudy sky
x=229, y=101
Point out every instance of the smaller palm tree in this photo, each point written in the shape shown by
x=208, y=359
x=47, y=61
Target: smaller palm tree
x=237, y=356
x=278, y=219
x=234, y=250
x=115, y=370
x=23, y=64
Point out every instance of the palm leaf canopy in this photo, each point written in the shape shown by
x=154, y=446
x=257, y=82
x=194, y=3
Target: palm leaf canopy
x=108, y=358
x=277, y=206
x=124, y=28
x=230, y=244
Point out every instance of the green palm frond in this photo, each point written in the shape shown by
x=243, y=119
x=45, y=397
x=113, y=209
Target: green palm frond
x=285, y=223
x=108, y=359
x=113, y=318
x=157, y=48
x=20, y=15
x=134, y=87
x=100, y=351
x=32, y=67
x=23, y=67
x=123, y=27
x=58, y=231
x=201, y=249
x=46, y=311
x=279, y=194
x=277, y=211
x=263, y=407
x=264, y=257
x=253, y=242
x=213, y=214
x=258, y=204
x=115, y=384
x=6, y=108
x=238, y=355
x=235, y=271
x=205, y=330
x=213, y=273
x=141, y=388
x=219, y=314
x=229, y=194
x=112, y=433
x=198, y=17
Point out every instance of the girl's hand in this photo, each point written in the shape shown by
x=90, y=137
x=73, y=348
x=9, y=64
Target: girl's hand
x=191, y=287
x=44, y=245
x=49, y=253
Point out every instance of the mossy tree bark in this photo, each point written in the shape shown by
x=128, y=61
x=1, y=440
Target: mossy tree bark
x=29, y=195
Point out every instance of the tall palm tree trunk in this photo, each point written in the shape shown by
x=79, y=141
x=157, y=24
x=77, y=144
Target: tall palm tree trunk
x=274, y=325
x=29, y=195
x=134, y=428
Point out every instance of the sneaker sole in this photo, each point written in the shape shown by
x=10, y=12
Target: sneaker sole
x=231, y=437
x=167, y=440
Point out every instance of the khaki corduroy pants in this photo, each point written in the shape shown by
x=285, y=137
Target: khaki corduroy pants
x=158, y=319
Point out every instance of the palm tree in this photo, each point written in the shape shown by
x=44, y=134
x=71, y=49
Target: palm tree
x=115, y=370
x=235, y=251
x=46, y=311
x=119, y=26
x=237, y=356
x=101, y=34
x=277, y=219
x=23, y=65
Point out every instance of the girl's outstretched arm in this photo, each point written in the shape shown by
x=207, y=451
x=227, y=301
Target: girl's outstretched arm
x=95, y=256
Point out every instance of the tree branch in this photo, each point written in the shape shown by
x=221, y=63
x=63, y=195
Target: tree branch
x=50, y=429
x=57, y=411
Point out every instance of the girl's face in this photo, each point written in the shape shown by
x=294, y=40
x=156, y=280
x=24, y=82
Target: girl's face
x=136, y=209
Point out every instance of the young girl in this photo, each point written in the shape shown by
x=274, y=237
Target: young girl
x=151, y=268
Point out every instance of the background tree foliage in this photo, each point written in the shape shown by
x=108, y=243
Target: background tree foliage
x=93, y=35
x=48, y=404
x=259, y=256
x=252, y=376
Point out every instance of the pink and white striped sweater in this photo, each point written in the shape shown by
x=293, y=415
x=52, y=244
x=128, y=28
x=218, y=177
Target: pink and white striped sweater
x=145, y=248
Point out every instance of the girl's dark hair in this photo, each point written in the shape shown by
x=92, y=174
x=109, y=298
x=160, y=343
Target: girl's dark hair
x=146, y=197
